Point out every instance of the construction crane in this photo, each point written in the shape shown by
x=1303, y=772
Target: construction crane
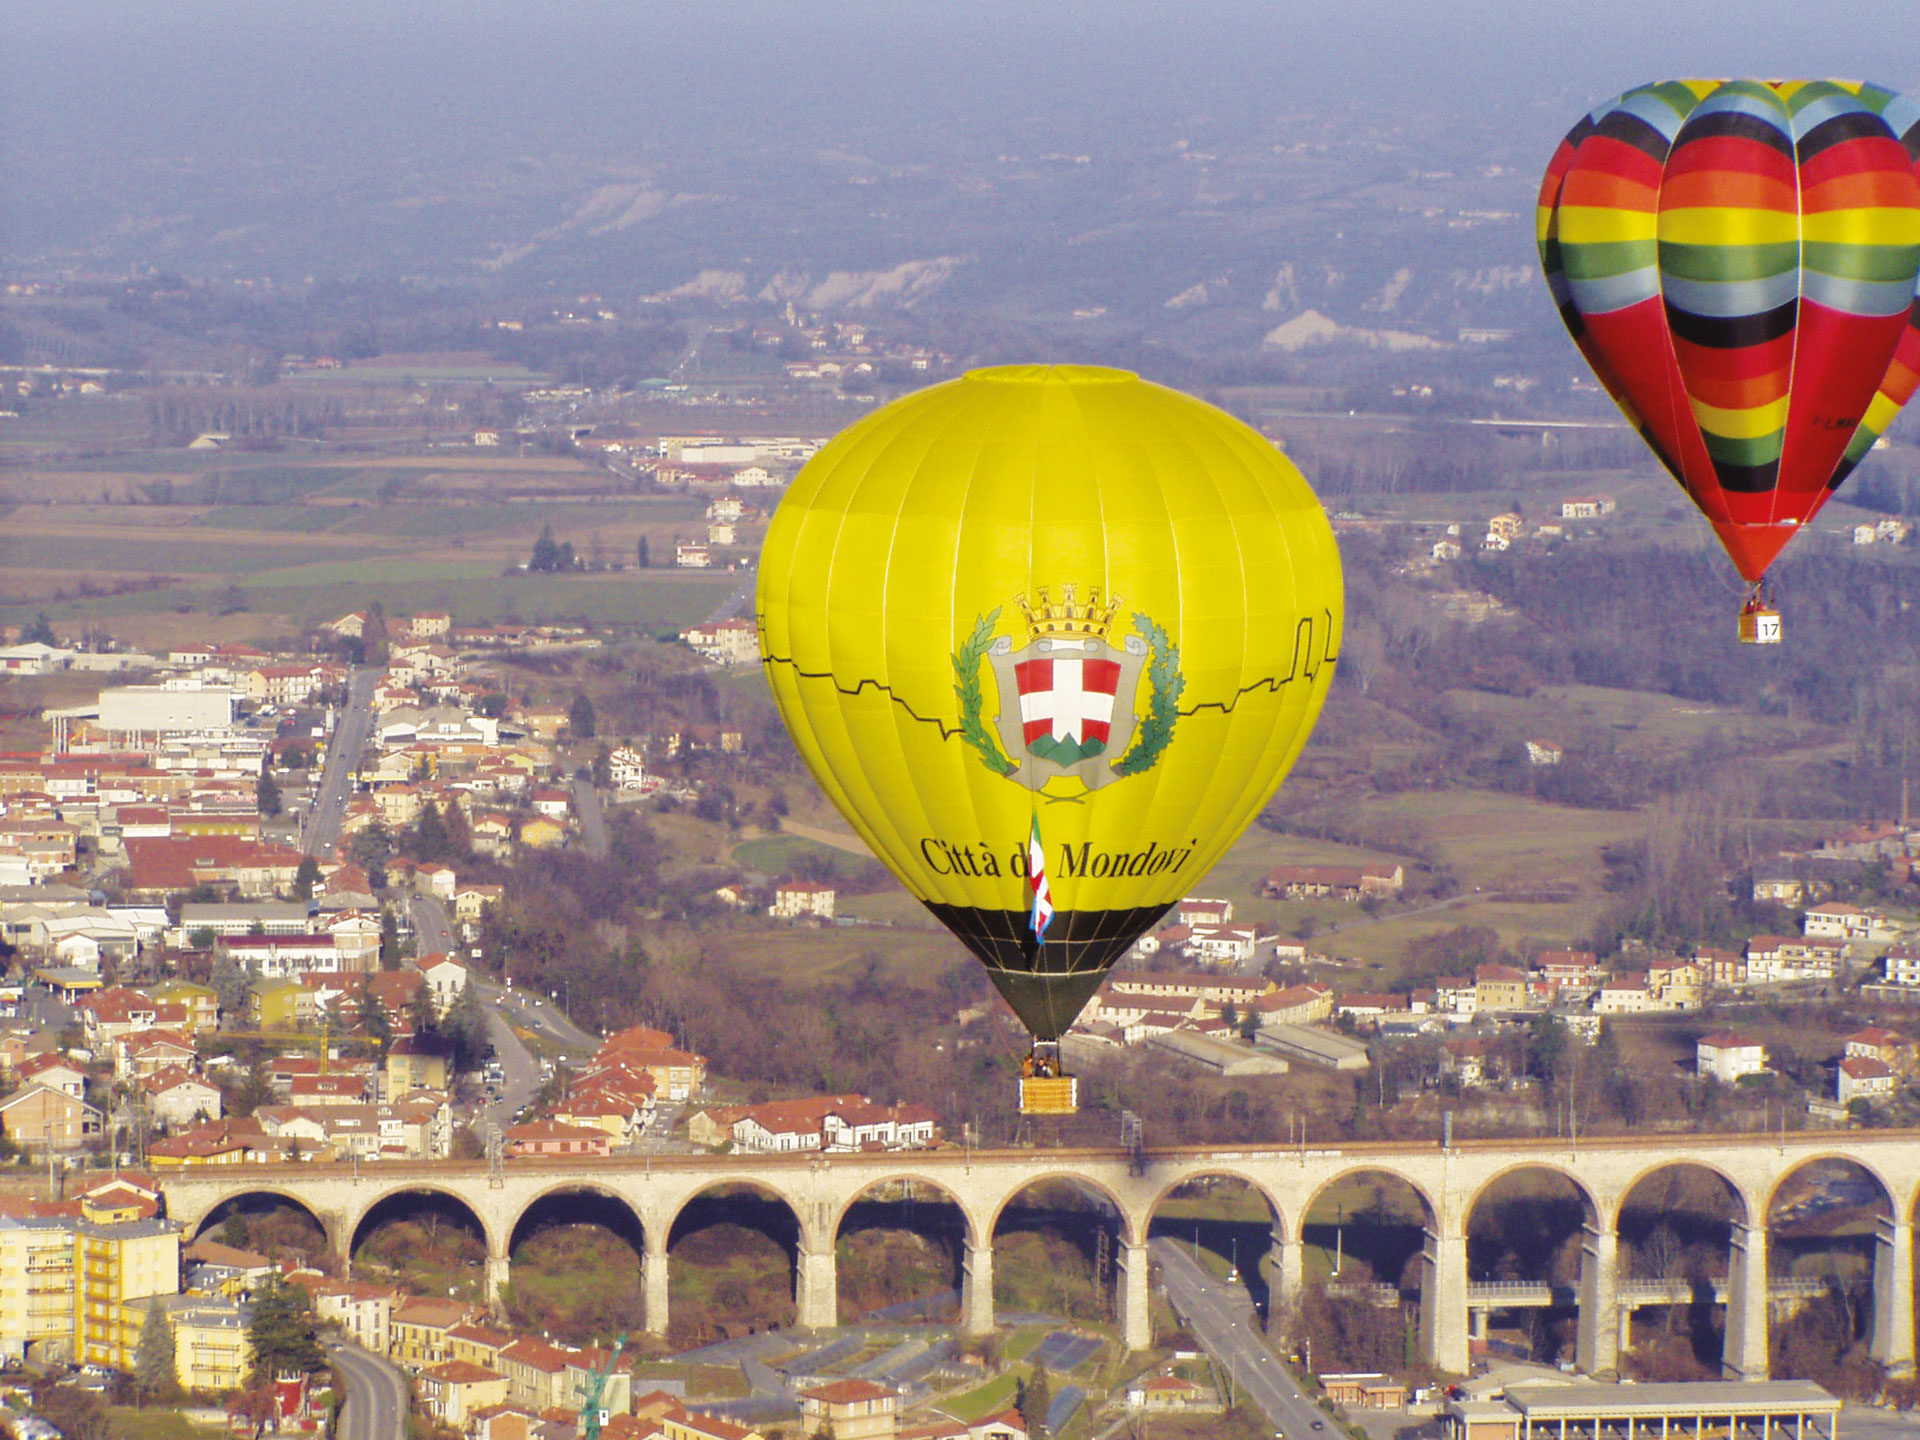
x=592, y=1417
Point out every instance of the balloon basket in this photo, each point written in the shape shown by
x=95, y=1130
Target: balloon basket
x=1049, y=1095
x=1759, y=623
x=1045, y=1088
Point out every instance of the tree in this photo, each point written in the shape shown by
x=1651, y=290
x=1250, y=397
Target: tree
x=641, y=553
x=77, y=1414
x=282, y=1331
x=1035, y=1400
x=254, y=1090
x=374, y=633
x=373, y=1020
x=580, y=716
x=546, y=557
x=40, y=632
x=1549, y=1051
x=266, y=795
x=305, y=878
x=389, y=941
x=465, y=1025
x=154, y=1372
x=230, y=983
x=370, y=849
x=429, y=839
x=420, y=1013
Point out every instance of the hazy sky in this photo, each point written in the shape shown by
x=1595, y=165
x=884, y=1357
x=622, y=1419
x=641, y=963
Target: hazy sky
x=259, y=77
x=98, y=98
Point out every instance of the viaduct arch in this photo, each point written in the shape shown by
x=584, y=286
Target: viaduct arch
x=820, y=1188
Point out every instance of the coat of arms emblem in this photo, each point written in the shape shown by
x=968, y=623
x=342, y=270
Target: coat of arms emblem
x=1067, y=695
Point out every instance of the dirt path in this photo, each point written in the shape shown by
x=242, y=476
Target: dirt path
x=838, y=839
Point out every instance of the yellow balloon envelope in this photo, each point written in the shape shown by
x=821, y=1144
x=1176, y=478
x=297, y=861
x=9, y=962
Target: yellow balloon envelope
x=1051, y=612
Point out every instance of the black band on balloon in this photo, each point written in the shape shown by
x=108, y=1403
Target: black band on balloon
x=1747, y=479
x=1630, y=129
x=1048, y=984
x=1735, y=125
x=1733, y=332
x=1838, y=130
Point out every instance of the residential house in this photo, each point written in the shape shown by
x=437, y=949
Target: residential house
x=1226, y=945
x=1624, y=994
x=419, y=1331
x=446, y=977
x=727, y=642
x=37, y=1119
x=1351, y=883
x=1294, y=1005
x=1501, y=988
x=1902, y=965
x=550, y=1137
x=1861, y=1077
x=455, y=1390
x=679, y=1424
x=54, y=1071
x=802, y=899
x=418, y=1062
x=850, y=1409
x=1896, y=1051
x=177, y=1099
x=677, y=1074
x=1727, y=1056
x=114, y=1264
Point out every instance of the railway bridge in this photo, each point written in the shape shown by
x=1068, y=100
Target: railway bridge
x=819, y=1190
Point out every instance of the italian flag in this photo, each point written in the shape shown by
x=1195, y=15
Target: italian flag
x=1037, y=881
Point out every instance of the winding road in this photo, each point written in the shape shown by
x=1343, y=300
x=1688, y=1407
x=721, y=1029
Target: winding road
x=377, y=1395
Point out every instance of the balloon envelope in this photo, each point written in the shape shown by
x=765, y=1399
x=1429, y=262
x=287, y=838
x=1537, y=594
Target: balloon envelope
x=1052, y=611
x=1736, y=260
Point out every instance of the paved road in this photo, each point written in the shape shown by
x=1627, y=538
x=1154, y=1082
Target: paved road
x=377, y=1399
x=343, y=758
x=1222, y=1319
x=738, y=603
x=593, y=819
x=521, y=1070
x=543, y=1015
x=432, y=930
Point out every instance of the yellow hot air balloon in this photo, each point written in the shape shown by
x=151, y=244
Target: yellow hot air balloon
x=1049, y=637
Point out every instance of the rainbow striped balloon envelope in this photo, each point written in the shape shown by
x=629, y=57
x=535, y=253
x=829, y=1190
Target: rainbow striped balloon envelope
x=1736, y=260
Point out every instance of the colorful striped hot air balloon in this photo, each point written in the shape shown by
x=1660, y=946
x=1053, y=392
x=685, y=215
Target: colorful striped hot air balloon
x=1737, y=260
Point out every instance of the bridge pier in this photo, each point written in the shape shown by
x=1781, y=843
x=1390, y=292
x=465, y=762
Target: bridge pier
x=1136, y=1297
x=976, y=1287
x=1284, y=1275
x=1744, y=1352
x=1597, y=1344
x=1892, y=1343
x=816, y=1288
x=499, y=1268
x=1443, y=1302
x=653, y=1281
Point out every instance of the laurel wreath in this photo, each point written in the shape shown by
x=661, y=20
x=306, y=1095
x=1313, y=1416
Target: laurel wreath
x=966, y=684
x=1156, y=727
x=1163, y=707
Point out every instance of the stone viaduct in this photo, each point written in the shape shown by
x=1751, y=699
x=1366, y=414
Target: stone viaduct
x=819, y=1189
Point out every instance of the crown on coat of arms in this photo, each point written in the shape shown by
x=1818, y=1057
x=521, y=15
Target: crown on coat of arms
x=1046, y=616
